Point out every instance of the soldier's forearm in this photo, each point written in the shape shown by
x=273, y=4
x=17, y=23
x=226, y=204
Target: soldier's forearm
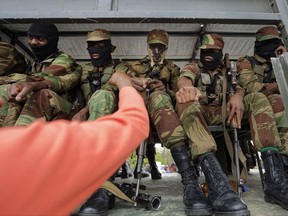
x=240, y=92
x=183, y=81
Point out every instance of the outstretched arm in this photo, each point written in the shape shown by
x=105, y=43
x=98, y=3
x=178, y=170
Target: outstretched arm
x=54, y=166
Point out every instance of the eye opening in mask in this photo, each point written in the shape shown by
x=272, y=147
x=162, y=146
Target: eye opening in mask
x=158, y=46
x=279, y=51
x=39, y=38
x=98, y=44
x=210, y=50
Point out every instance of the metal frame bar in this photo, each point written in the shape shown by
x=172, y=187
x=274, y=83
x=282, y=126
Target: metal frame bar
x=280, y=67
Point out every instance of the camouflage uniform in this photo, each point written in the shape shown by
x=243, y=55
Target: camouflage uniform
x=100, y=96
x=160, y=105
x=194, y=117
x=61, y=74
x=12, y=69
x=11, y=61
x=101, y=99
x=256, y=75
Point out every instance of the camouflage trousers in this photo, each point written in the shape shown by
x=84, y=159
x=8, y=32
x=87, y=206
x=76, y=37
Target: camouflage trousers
x=43, y=104
x=101, y=103
x=165, y=119
x=281, y=119
x=195, y=119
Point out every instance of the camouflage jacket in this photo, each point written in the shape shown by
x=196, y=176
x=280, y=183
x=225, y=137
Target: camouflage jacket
x=210, y=84
x=60, y=72
x=254, y=72
x=168, y=75
x=87, y=78
x=12, y=64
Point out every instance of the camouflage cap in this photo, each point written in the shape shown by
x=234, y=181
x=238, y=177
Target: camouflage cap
x=266, y=33
x=212, y=41
x=98, y=35
x=158, y=36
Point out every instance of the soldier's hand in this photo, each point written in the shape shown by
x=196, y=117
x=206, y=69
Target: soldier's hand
x=156, y=85
x=18, y=91
x=82, y=115
x=235, y=109
x=120, y=80
x=139, y=83
x=271, y=88
x=188, y=94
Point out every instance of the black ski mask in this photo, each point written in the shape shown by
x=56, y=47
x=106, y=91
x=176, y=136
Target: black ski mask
x=48, y=31
x=266, y=48
x=104, y=52
x=211, y=65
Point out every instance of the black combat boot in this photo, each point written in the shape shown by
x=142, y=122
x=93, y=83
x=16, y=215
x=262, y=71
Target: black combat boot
x=275, y=179
x=285, y=163
x=224, y=200
x=144, y=174
x=150, y=154
x=193, y=197
x=98, y=203
x=125, y=171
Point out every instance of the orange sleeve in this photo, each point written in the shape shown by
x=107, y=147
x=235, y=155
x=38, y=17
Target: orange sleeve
x=50, y=168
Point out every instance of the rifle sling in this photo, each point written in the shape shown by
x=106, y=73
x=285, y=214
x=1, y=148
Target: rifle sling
x=116, y=191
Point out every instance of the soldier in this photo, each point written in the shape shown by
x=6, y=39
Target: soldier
x=11, y=61
x=101, y=99
x=200, y=98
x=44, y=93
x=158, y=76
x=256, y=75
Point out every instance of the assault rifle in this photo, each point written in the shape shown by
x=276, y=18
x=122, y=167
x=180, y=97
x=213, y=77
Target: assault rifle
x=140, y=159
x=231, y=75
x=147, y=201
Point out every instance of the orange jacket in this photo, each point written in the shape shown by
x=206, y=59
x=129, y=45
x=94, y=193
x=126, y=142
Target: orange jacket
x=50, y=168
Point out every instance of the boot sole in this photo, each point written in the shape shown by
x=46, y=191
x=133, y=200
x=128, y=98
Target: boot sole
x=274, y=200
x=93, y=214
x=237, y=213
x=198, y=212
x=155, y=178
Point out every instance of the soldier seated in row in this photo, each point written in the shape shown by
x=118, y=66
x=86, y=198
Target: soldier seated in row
x=101, y=98
x=12, y=62
x=44, y=91
x=256, y=74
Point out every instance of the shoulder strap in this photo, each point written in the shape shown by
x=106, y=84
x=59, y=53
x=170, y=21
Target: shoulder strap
x=116, y=191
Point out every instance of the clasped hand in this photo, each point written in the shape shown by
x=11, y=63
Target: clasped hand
x=140, y=84
x=188, y=94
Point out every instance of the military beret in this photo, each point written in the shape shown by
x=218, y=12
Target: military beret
x=266, y=33
x=212, y=41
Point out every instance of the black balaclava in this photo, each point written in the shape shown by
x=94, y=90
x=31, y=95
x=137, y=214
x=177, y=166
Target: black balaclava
x=266, y=48
x=210, y=65
x=104, y=52
x=48, y=31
